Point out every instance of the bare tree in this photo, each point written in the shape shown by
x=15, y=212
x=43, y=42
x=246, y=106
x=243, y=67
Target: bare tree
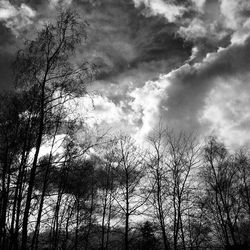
x=173, y=158
x=242, y=164
x=157, y=179
x=219, y=175
x=108, y=184
x=130, y=170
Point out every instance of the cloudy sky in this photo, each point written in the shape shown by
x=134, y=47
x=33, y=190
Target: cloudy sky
x=184, y=62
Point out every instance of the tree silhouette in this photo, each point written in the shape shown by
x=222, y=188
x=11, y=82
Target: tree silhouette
x=44, y=65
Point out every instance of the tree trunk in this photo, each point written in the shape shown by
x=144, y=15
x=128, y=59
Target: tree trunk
x=77, y=222
x=67, y=227
x=45, y=184
x=127, y=214
x=109, y=219
x=90, y=216
x=34, y=243
x=33, y=169
x=103, y=219
x=4, y=201
x=160, y=211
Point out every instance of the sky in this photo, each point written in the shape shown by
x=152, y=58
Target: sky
x=185, y=63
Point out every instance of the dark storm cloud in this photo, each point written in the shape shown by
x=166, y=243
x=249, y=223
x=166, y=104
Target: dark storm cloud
x=123, y=41
x=122, y=37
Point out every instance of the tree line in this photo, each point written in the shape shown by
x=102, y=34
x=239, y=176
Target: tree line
x=63, y=186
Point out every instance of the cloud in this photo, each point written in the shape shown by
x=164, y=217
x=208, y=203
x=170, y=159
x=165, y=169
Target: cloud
x=14, y=22
x=160, y=7
x=220, y=54
x=199, y=4
x=180, y=97
x=99, y=110
x=235, y=12
x=123, y=39
x=226, y=111
x=199, y=47
x=216, y=23
x=7, y=10
x=206, y=28
x=16, y=18
x=145, y=104
x=101, y=113
x=137, y=113
x=191, y=86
